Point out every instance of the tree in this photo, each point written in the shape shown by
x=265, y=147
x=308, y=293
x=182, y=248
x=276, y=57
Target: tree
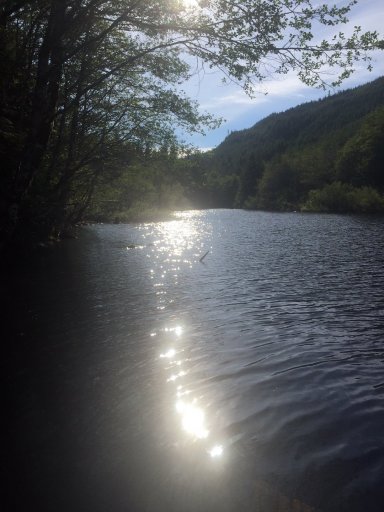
x=90, y=74
x=361, y=160
x=249, y=178
x=279, y=187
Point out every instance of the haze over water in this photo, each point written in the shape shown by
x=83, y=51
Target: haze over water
x=144, y=379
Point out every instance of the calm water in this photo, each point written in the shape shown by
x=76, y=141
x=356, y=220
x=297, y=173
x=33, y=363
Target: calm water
x=143, y=379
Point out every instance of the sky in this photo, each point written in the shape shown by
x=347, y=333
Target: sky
x=284, y=92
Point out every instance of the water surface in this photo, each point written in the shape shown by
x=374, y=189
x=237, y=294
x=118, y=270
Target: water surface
x=144, y=379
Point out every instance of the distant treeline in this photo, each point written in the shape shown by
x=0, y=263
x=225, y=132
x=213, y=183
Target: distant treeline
x=323, y=156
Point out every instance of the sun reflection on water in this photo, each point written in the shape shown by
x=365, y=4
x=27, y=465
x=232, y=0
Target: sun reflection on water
x=190, y=410
x=179, y=246
x=216, y=451
x=192, y=419
x=176, y=376
x=169, y=354
x=177, y=237
x=178, y=330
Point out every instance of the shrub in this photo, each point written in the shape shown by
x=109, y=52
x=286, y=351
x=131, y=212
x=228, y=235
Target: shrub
x=340, y=197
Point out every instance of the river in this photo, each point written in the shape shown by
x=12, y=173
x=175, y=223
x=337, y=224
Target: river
x=143, y=379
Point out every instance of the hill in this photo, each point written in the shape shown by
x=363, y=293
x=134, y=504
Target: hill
x=282, y=160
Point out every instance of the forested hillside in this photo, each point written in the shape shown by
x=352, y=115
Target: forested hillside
x=326, y=155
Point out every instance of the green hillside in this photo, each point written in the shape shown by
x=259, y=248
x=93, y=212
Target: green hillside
x=335, y=143
x=326, y=155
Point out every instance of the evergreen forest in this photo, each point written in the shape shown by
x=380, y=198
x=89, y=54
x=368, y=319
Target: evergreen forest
x=326, y=156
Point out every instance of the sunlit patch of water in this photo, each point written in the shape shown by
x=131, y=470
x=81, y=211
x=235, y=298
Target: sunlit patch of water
x=216, y=451
x=178, y=246
x=169, y=354
x=190, y=410
x=178, y=330
x=192, y=419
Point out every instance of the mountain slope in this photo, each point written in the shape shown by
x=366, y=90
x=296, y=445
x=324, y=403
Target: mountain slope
x=305, y=123
x=283, y=157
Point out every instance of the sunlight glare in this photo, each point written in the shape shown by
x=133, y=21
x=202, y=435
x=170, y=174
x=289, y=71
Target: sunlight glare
x=169, y=354
x=193, y=420
x=175, y=376
x=216, y=451
x=178, y=330
x=178, y=236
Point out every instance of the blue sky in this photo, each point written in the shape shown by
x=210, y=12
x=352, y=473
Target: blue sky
x=239, y=111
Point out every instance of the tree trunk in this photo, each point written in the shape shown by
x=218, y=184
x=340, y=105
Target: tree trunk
x=45, y=97
x=43, y=108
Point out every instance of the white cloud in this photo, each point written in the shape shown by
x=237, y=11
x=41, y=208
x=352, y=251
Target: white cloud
x=230, y=101
x=205, y=149
x=237, y=97
x=235, y=103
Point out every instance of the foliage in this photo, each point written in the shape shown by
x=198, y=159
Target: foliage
x=333, y=117
x=284, y=157
x=278, y=187
x=147, y=188
x=344, y=198
x=361, y=160
x=88, y=86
